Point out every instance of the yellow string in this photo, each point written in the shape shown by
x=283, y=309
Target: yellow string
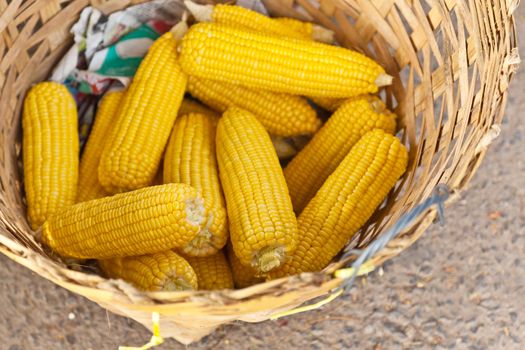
x=307, y=307
x=364, y=269
x=155, y=340
x=341, y=273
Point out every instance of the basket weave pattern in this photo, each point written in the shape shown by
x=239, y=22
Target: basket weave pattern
x=451, y=60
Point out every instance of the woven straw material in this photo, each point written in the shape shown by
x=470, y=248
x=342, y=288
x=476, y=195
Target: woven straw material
x=451, y=60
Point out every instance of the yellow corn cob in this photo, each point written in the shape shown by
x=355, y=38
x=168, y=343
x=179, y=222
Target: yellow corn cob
x=263, y=226
x=133, y=152
x=213, y=272
x=164, y=271
x=307, y=172
x=280, y=114
x=243, y=275
x=144, y=221
x=88, y=185
x=287, y=65
x=50, y=150
x=246, y=19
x=190, y=158
x=346, y=201
x=190, y=106
x=330, y=104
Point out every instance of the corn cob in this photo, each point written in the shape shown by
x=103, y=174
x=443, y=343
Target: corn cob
x=243, y=275
x=307, y=172
x=280, y=64
x=164, y=271
x=88, y=185
x=133, y=152
x=50, y=150
x=190, y=106
x=330, y=104
x=262, y=223
x=346, y=201
x=213, y=272
x=190, y=158
x=246, y=19
x=280, y=114
x=144, y=221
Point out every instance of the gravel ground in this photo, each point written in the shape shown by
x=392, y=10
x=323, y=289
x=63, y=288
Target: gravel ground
x=459, y=287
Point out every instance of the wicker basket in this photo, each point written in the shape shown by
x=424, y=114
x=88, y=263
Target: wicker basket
x=451, y=59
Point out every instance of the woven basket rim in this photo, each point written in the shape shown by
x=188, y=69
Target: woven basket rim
x=454, y=63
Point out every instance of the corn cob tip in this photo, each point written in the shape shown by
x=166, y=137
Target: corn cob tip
x=179, y=29
x=379, y=107
x=269, y=259
x=384, y=80
x=202, y=13
x=283, y=147
x=376, y=104
x=176, y=284
x=203, y=244
x=322, y=34
x=195, y=211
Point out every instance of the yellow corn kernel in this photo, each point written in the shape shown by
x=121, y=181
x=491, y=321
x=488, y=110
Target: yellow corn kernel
x=134, y=149
x=280, y=114
x=88, y=185
x=213, y=272
x=307, y=172
x=308, y=29
x=263, y=227
x=50, y=150
x=164, y=271
x=280, y=64
x=190, y=158
x=191, y=106
x=246, y=19
x=346, y=201
x=145, y=221
x=243, y=275
x=330, y=104
x=305, y=28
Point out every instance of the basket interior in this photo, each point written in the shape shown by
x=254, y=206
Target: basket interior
x=450, y=67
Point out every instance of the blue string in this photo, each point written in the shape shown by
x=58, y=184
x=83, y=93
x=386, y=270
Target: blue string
x=439, y=197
